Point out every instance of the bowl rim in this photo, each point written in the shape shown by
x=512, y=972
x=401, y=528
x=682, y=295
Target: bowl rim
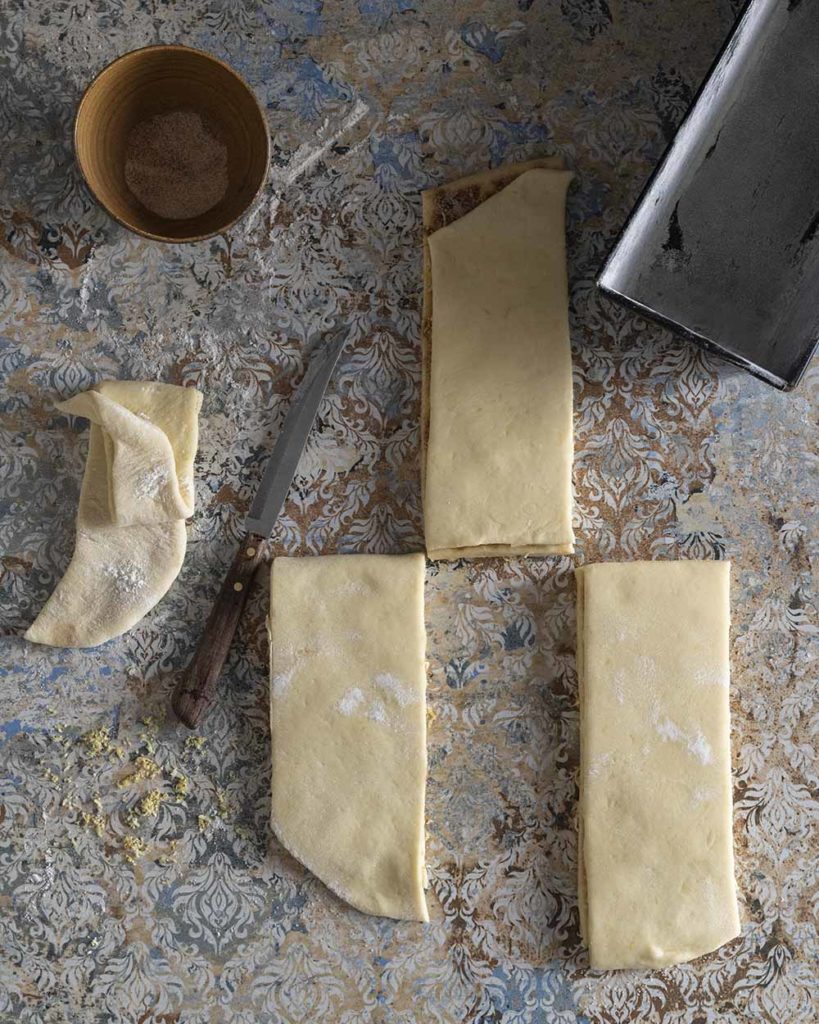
x=171, y=47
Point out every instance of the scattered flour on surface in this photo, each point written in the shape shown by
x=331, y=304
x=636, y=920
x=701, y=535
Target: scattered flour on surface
x=309, y=153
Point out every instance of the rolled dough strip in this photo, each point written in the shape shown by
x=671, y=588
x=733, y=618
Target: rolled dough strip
x=497, y=393
x=136, y=493
x=656, y=868
x=348, y=725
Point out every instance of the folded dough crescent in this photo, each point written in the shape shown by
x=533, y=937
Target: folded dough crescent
x=655, y=858
x=348, y=725
x=136, y=493
x=497, y=389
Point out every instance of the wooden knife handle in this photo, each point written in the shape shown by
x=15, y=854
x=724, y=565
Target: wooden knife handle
x=196, y=689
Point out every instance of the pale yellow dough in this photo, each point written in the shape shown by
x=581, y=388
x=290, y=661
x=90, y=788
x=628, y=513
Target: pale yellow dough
x=499, y=451
x=656, y=867
x=136, y=494
x=348, y=725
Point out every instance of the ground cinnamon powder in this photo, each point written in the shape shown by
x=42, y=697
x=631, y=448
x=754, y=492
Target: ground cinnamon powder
x=175, y=165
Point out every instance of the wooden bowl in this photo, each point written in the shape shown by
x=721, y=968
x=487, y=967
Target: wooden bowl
x=160, y=80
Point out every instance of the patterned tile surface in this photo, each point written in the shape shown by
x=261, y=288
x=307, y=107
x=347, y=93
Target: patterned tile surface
x=119, y=905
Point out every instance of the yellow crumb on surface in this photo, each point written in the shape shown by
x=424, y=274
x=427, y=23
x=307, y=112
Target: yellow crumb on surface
x=133, y=848
x=203, y=821
x=95, y=821
x=144, y=768
x=221, y=801
x=98, y=742
x=194, y=742
x=180, y=785
x=148, y=805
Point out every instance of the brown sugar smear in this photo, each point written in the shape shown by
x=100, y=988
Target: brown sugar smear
x=176, y=165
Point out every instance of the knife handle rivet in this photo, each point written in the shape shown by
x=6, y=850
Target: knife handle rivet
x=250, y=552
x=237, y=586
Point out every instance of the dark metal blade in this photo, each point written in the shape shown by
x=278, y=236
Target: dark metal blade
x=284, y=459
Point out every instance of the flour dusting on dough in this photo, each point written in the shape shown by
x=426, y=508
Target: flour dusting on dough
x=350, y=701
x=392, y=685
x=280, y=682
x=618, y=684
x=703, y=794
x=598, y=765
x=128, y=578
x=151, y=481
x=669, y=731
x=350, y=587
x=646, y=669
x=700, y=747
x=376, y=712
x=711, y=676
x=697, y=744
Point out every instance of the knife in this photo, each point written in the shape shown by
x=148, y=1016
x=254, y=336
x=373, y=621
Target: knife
x=195, y=691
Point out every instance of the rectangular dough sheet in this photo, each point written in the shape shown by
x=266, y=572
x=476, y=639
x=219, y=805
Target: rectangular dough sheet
x=348, y=725
x=497, y=381
x=655, y=857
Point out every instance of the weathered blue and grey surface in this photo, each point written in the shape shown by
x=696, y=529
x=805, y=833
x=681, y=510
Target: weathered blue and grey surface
x=114, y=907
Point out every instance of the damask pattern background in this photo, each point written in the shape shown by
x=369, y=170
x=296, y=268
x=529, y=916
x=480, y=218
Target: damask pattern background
x=118, y=905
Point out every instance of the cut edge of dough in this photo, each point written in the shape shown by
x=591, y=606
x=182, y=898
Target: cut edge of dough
x=418, y=912
x=582, y=900
x=499, y=551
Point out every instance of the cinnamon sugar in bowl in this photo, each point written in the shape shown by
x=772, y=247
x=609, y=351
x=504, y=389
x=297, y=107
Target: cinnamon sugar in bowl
x=172, y=142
